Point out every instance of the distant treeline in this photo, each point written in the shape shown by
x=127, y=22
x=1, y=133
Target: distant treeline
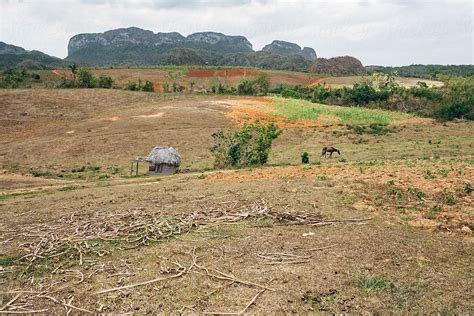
x=425, y=71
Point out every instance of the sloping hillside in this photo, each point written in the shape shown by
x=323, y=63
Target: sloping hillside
x=12, y=56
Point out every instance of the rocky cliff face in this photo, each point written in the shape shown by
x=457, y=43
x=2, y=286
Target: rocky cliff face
x=134, y=46
x=122, y=37
x=290, y=49
x=134, y=37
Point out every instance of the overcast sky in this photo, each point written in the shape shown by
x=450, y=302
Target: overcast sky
x=391, y=32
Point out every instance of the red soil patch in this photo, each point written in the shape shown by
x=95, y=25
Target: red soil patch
x=248, y=110
x=60, y=75
x=451, y=220
x=207, y=73
x=247, y=114
x=315, y=82
x=157, y=87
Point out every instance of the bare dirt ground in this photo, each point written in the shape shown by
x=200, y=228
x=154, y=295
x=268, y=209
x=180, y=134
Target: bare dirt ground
x=385, y=227
x=338, y=82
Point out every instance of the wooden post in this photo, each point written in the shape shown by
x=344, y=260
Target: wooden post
x=137, y=169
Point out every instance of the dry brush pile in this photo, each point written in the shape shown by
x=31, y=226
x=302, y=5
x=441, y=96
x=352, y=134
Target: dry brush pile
x=73, y=241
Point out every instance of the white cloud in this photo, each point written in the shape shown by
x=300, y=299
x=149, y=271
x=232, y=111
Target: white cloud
x=377, y=32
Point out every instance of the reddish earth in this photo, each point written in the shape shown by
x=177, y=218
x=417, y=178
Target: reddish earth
x=205, y=73
x=158, y=87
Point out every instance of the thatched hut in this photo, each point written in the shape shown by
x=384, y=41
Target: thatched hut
x=163, y=160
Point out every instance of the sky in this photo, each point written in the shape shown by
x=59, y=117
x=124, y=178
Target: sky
x=378, y=32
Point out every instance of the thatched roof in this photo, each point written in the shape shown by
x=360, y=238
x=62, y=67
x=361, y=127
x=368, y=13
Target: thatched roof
x=167, y=155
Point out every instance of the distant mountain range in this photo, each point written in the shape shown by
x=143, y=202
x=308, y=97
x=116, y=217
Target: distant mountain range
x=134, y=46
x=137, y=47
x=12, y=56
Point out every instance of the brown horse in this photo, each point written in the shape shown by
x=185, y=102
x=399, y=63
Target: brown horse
x=330, y=150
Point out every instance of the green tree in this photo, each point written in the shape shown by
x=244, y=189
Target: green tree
x=74, y=69
x=248, y=146
x=85, y=78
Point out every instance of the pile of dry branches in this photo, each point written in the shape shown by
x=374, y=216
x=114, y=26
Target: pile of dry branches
x=81, y=233
x=78, y=232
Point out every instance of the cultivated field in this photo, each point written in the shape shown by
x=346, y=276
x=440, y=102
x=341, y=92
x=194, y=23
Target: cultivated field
x=203, y=79
x=385, y=227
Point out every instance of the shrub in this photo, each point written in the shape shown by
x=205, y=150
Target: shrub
x=256, y=86
x=104, y=82
x=305, y=157
x=458, y=100
x=363, y=93
x=455, y=109
x=85, y=78
x=290, y=93
x=148, y=86
x=248, y=146
x=320, y=94
x=132, y=86
x=423, y=91
x=468, y=187
x=12, y=78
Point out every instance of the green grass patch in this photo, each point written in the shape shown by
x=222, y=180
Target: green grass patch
x=301, y=109
x=6, y=260
x=375, y=283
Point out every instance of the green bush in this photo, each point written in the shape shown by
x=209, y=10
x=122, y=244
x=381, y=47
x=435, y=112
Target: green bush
x=104, y=82
x=363, y=93
x=85, y=78
x=320, y=94
x=148, y=86
x=248, y=146
x=12, y=78
x=423, y=91
x=305, y=157
x=132, y=86
x=290, y=93
x=458, y=99
x=257, y=86
x=455, y=109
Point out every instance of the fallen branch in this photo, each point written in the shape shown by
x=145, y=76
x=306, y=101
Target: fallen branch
x=287, y=262
x=25, y=312
x=11, y=301
x=223, y=276
x=140, y=284
x=321, y=248
x=241, y=311
x=65, y=304
x=341, y=221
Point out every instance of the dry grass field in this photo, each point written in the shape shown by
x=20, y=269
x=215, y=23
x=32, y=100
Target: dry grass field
x=386, y=227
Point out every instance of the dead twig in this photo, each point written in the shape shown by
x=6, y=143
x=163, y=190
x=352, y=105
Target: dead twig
x=11, y=301
x=287, y=262
x=141, y=283
x=66, y=304
x=223, y=276
x=25, y=312
x=241, y=311
x=321, y=248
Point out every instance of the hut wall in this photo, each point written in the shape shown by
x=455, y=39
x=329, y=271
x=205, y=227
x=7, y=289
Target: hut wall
x=162, y=169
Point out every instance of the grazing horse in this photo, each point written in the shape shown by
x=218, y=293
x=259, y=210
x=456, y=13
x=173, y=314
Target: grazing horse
x=330, y=150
